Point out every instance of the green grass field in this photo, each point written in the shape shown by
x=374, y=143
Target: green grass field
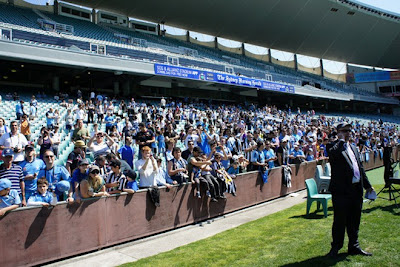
x=289, y=238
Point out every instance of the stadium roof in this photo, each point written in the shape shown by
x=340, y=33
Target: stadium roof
x=329, y=29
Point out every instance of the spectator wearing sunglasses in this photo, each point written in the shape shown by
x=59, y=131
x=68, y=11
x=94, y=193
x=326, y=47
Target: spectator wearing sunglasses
x=94, y=185
x=57, y=176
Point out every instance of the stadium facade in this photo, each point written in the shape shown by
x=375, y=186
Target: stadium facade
x=65, y=47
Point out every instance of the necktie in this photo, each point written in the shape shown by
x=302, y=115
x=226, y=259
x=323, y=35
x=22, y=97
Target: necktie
x=356, y=170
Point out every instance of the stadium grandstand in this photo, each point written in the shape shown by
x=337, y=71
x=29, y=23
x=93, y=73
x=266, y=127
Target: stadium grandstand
x=89, y=82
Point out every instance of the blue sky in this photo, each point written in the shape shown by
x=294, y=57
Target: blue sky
x=334, y=67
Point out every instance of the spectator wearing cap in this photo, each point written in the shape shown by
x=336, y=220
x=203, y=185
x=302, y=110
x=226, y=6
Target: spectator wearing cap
x=297, y=155
x=234, y=167
x=348, y=180
x=94, y=185
x=9, y=198
x=19, y=109
x=144, y=137
x=101, y=162
x=78, y=175
x=80, y=132
x=15, y=141
x=131, y=176
x=147, y=168
x=75, y=156
x=283, y=152
x=57, y=176
x=13, y=172
x=127, y=152
x=99, y=146
x=116, y=180
x=30, y=169
x=312, y=145
x=42, y=197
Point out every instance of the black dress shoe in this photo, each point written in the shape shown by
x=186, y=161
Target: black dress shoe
x=333, y=253
x=359, y=251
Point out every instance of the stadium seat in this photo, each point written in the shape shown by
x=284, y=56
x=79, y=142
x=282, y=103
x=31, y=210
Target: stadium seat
x=321, y=179
x=312, y=195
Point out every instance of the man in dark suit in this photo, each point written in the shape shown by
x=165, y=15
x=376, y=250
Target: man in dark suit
x=348, y=179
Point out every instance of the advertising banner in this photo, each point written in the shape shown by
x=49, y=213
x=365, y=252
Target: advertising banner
x=186, y=73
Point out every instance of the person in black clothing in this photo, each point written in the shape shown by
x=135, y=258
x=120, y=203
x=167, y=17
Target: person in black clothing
x=189, y=151
x=347, y=182
x=144, y=137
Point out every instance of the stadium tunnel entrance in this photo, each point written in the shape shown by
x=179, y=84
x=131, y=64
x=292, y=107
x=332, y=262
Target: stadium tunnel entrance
x=31, y=77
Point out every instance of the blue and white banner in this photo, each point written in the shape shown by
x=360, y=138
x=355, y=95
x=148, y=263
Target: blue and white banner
x=186, y=73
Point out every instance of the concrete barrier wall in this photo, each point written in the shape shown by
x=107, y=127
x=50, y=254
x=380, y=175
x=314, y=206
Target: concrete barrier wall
x=32, y=236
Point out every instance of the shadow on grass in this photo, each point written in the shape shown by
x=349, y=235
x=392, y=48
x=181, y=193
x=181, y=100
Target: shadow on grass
x=319, y=261
x=394, y=209
x=318, y=214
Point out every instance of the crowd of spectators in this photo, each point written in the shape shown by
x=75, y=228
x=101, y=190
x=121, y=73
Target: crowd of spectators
x=160, y=144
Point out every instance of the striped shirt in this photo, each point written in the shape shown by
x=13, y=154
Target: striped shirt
x=113, y=178
x=14, y=174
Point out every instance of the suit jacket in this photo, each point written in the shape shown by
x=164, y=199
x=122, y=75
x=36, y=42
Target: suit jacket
x=342, y=170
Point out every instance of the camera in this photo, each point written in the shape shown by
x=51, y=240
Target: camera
x=15, y=149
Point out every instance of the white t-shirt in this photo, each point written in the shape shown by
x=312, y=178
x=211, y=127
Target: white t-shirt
x=100, y=149
x=17, y=140
x=191, y=137
x=80, y=114
x=147, y=176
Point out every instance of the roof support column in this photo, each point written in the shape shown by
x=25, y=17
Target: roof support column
x=243, y=52
x=94, y=17
x=188, y=36
x=322, y=67
x=296, y=66
x=269, y=55
x=216, y=42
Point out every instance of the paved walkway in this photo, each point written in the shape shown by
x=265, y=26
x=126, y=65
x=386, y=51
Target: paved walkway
x=154, y=245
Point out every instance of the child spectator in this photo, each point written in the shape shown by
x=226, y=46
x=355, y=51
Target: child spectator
x=42, y=196
x=9, y=198
x=162, y=177
x=197, y=179
x=116, y=181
